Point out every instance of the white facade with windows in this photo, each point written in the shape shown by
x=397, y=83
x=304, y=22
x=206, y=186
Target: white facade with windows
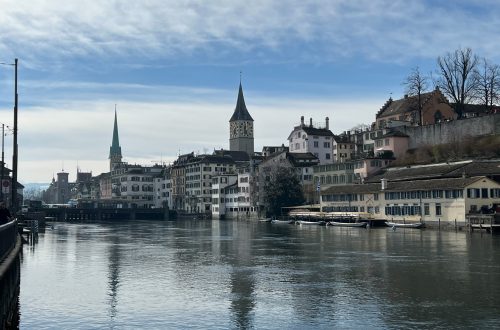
x=429, y=200
x=318, y=141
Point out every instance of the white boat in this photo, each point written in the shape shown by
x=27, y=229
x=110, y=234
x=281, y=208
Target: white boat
x=416, y=225
x=314, y=223
x=282, y=222
x=347, y=224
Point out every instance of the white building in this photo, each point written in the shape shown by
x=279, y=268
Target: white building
x=162, y=186
x=134, y=184
x=316, y=140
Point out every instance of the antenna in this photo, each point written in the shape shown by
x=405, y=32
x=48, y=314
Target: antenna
x=240, y=76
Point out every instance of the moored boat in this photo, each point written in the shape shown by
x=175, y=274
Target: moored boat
x=347, y=224
x=314, y=223
x=282, y=222
x=416, y=225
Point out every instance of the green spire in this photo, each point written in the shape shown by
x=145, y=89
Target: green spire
x=115, y=149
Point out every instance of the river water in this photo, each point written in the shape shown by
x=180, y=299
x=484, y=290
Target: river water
x=235, y=274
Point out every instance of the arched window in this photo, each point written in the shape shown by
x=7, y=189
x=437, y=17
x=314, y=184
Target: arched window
x=438, y=117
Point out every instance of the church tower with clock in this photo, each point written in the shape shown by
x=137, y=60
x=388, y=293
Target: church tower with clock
x=241, y=127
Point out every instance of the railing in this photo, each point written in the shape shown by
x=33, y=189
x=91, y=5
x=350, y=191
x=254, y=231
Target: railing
x=8, y=237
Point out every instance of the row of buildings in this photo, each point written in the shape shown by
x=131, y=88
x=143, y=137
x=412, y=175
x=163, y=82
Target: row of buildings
x=350, y=171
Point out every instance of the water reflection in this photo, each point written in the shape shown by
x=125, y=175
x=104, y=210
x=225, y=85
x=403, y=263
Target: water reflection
x=217, y=274
x=113, y=274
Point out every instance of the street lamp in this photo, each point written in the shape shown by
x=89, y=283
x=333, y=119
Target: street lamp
x=14, y=155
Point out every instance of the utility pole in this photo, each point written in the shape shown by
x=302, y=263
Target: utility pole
x=14, y=156
x=3, y=163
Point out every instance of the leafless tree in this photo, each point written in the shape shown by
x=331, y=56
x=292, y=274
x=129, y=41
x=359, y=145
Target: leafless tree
x=415, y=85
x=455, y=77
x=487, y=81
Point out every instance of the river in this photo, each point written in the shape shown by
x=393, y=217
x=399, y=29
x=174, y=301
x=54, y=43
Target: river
x=234, y=274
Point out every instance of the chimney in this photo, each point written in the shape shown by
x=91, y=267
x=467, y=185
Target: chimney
x=327, y=123
x=310, y=122
x=301, y=120
x=383, y=184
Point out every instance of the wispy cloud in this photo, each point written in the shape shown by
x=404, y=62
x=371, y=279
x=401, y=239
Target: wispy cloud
x=302, y=30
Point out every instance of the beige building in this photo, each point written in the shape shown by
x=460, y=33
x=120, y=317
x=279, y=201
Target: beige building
x=431, y=193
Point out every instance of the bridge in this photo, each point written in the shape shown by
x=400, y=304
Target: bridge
x=10, y=274
x=96, y=214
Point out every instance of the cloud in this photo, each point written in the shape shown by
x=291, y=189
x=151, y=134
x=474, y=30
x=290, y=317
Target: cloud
x=309, y=31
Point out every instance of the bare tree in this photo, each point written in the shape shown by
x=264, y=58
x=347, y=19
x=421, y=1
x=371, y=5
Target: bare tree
x=456, y=78
x=416, y=84
x=487, y=81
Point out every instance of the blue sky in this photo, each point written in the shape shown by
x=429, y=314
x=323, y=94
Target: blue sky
x=173, y=69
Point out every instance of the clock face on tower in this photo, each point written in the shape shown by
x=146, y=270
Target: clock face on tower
x=241, y=129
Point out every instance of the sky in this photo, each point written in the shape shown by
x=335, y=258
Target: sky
x=172, y=68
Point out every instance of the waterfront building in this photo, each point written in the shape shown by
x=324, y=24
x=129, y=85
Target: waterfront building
x=162, y=185
x=133, y=184
x=224, y=192
x=429, y=193
x=241, y=132
x=105, y=186
x=316, y=140
x=198, y=172
x=178, y=177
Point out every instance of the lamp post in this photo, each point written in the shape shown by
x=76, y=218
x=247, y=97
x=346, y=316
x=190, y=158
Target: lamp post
x=14, y=155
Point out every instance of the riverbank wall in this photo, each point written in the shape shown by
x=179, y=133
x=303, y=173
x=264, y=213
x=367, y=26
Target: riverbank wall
x=10, y=275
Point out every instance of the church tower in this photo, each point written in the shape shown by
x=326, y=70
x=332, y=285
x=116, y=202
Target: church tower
x=115, y=151
x=241, y=127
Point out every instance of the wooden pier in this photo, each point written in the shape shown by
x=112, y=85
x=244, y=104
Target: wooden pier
x=488, y=222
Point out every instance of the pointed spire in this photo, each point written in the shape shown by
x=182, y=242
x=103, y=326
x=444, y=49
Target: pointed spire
x=241, y=112
x=115, y=149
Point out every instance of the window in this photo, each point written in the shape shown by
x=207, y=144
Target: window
x=386, y=142
x=484, y=193
x=438, y=208
x=316, y=144
x=473, y=193
x=426, y=209
x=297, y=145
x=327, y=156
x=495, y=193
x=326, y=144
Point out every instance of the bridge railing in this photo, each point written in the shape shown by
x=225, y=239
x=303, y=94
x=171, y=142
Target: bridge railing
x=8, y=237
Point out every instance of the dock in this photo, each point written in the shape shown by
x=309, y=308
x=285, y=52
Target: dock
x=488, y=222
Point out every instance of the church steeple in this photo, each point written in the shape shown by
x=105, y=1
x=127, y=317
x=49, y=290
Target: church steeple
x=241, y=112
x=115, y=151
x=241, y=127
